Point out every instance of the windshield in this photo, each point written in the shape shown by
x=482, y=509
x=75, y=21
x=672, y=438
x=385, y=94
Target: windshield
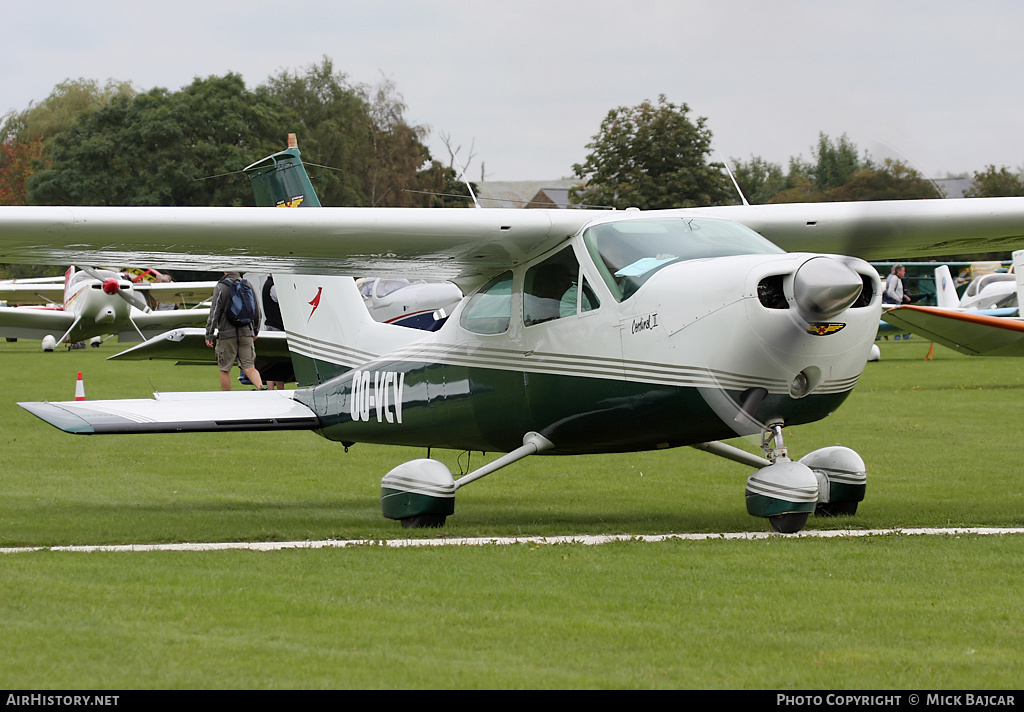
x=629, y=252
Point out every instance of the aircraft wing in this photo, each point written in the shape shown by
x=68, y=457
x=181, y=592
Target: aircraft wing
x=465, y=245
x=38, y=293
x=179, y=292
x=188, y=345
x=969, y=333
x=157, y=322
x=877, y=230
x=202, y=411
x=29, y=323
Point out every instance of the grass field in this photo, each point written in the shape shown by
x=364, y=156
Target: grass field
x=890, y=612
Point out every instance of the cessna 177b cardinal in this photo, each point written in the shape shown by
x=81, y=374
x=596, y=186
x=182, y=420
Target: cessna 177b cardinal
x=583, y=331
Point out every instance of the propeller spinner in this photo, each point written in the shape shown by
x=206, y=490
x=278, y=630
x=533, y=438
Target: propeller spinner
x=824, y=287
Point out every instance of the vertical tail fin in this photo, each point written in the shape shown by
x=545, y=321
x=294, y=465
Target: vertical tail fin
x=329, y=330
x=281, y=180
x=945, y=289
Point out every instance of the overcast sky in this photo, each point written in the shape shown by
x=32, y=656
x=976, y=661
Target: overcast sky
x=526, y=84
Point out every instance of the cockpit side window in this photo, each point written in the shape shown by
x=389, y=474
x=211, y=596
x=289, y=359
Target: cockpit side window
x=552, y=288
x=489, y=311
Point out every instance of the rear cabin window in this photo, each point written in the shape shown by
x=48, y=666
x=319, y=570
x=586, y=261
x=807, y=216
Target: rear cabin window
x=489, y=311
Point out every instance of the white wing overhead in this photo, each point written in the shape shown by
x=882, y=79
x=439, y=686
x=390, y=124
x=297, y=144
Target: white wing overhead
x=466, y=245
x=462, y=245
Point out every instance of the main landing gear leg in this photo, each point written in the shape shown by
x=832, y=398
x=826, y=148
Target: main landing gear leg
x=421, y=493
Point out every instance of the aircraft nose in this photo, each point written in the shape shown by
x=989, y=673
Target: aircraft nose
x=106, y=315
x=824, y=288
x=110, y=286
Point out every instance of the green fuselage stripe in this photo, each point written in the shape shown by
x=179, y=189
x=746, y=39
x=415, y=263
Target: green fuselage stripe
x=490, y=409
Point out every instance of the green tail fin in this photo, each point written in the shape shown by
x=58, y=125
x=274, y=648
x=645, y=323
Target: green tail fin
x=281, y=180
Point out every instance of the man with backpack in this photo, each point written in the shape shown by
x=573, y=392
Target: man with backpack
x=234, y=323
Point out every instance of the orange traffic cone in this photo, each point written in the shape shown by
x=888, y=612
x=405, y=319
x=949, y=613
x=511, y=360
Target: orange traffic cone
x=79, y=388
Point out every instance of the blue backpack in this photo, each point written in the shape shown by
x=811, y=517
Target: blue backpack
x=241, y=306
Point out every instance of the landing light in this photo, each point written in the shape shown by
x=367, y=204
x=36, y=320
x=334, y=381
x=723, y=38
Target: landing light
x=800, y=386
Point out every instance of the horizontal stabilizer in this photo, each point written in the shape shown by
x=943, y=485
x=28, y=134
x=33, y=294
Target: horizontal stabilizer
x=154, y=323
x=204, y=411
x=188, y=345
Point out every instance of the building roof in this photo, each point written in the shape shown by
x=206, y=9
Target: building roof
x=953, y=187
x=525, y=194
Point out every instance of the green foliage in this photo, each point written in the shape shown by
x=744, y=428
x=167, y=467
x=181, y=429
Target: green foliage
x=837, y=174
x=837, y=161
x=759, y=179
x=894, y=180
x=69, y=101
x=110, y=146
x=331, y=120
x=24, y=134
x=380, y=159
x=651, y=156
x=992, y=183
x=163, y=148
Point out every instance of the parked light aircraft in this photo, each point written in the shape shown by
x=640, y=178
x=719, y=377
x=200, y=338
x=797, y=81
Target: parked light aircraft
x=996, y=290
x=972, y=331
x=585, y=332
x=92, y=302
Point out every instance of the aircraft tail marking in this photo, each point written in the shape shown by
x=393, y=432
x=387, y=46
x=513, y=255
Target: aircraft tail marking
x=338, y=333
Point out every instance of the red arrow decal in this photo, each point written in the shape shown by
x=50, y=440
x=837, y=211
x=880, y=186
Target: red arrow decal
x=315, y=303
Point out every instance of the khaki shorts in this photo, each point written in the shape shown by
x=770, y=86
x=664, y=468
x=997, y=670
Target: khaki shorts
x=231, y=348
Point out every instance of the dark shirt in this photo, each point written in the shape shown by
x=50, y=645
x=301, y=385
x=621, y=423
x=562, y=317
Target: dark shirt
x=217, y=323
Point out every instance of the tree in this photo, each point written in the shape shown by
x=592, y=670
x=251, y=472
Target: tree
x=992, y=183
x=838, y=174
x=836, y=162
x=375, y=157
x=331, y=120
x=68, y=101
x=24, y=135
x=759, y=180
x=393, y=178
x=17, y=157
x=163, y=148
x=651, y=156
x=894, y=180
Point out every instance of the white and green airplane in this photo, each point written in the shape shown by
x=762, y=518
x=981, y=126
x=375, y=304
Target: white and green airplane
x=582, y=332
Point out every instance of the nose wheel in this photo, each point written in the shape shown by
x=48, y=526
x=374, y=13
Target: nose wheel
x=789, y=523
x=828, y=482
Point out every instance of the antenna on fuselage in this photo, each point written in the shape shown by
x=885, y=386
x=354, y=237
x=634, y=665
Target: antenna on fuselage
x=462, y=177
x=733, y=179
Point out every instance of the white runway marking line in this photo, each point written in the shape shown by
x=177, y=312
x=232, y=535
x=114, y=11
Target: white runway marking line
x=586, y=540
